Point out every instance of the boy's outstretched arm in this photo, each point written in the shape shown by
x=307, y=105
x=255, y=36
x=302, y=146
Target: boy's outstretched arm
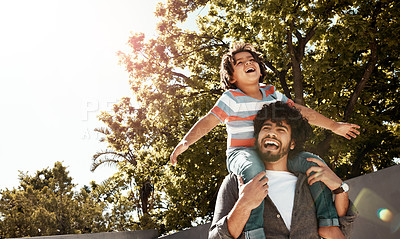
x=344, y=129
x=201, y=128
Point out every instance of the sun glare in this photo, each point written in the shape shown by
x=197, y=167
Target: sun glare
x=55, y=55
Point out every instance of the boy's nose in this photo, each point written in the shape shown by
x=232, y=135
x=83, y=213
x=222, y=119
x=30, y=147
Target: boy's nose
x=248, y=63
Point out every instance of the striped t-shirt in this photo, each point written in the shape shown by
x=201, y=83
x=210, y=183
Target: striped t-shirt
x=237, y=111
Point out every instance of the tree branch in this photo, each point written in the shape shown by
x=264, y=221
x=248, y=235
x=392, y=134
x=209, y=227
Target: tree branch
x=373, y=58
x=281, y=76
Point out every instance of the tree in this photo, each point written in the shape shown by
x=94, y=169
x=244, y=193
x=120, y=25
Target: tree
x=121, y=153
x=45, y=204
x=338, y=57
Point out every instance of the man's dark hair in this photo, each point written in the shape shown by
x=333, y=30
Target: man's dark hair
x=228, y=60
x=278, y=112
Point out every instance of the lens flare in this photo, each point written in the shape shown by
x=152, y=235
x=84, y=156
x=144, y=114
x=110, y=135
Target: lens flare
x=385, y=214
x=373, y=207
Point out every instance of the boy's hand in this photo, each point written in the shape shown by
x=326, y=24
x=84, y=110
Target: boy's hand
x=346, y=130
x=180, y=148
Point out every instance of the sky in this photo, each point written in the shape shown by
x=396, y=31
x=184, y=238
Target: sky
x=58, y=71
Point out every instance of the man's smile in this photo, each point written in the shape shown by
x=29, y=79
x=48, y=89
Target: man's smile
x=271, y=144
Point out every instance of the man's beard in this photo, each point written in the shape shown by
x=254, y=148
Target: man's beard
x=268, y=156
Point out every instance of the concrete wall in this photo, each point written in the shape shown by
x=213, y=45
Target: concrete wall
x=146, y=234
x=199, y=232
x=376, y=196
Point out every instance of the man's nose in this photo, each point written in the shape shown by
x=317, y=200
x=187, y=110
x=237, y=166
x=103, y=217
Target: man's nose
x=271, y=133
x=248, y=63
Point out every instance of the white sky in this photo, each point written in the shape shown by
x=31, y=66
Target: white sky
x=58, y=70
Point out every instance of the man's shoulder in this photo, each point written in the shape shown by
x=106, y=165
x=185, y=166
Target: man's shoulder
x=229, y=189
x=231, y=179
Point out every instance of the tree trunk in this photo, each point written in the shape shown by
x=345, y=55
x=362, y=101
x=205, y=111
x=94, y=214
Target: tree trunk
x=145, y=193
x=297, y=76
x=282, y=78
x=297, y=55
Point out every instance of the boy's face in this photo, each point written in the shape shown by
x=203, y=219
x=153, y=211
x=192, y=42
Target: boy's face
x=246, y=71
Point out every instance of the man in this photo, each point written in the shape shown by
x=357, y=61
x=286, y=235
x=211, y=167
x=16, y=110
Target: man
x=289, y=211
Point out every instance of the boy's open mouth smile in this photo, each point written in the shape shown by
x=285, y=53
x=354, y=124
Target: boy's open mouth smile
x=250, y=69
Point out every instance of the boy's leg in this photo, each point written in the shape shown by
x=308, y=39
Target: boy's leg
x=326, y=211
x=245, y=162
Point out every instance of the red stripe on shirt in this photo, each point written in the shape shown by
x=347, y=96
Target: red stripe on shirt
x=237, y=118
x=242, y=142
x=219, y=112
x=236, y=93
x=271, y=90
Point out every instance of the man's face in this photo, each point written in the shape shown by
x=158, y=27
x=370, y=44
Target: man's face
x=274, y=141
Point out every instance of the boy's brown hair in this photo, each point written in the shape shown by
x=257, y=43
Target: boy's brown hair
x=226, y=70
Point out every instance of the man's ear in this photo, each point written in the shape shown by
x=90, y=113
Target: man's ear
x=292, y=144
x=232, y=81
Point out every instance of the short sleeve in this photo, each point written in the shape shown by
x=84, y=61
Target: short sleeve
x=224, y=107
x=278, y=95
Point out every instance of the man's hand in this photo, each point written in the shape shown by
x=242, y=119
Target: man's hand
x=251, y=196
x=346, y=130
x=324, y=174
x=180, y=148
x=253, y=192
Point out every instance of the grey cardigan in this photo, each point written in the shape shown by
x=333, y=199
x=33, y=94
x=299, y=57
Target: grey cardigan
x=304, y=221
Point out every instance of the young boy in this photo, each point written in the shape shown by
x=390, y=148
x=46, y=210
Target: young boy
x=242, y=71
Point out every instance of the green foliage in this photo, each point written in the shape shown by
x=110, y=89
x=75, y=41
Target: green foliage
x=339, y=57
x=45, y=204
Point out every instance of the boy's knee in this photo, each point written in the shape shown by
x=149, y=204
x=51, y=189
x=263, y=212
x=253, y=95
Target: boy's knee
x=305, y=155
x=299, y=163
x=250, y=172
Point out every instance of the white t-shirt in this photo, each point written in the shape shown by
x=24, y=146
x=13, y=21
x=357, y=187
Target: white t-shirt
x=281, y=190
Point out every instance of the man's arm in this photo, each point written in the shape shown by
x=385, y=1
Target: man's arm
x=346, y=130
x=324, y=174
x=234, y=204
x=251, y=196
x=347, y=213
x=201, y=128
